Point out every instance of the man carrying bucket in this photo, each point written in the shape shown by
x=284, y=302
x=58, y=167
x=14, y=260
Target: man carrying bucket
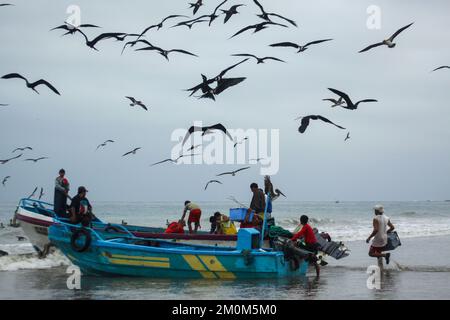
x=194, y=215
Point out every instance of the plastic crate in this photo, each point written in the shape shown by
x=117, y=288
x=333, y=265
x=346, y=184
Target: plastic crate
x=238, y=214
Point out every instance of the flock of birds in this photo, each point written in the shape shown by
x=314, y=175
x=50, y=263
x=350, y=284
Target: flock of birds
x=209, y=87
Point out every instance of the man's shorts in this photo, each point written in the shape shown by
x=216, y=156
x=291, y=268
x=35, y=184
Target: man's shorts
x=194, y=216
x=376, y=250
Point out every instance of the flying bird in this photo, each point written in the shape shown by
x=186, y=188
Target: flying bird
x=336, y=103
x=347, y=137
x=233, y=173
x=192, y=148
x=266, y=15
x=258, y=60
x=160, y=25
x=41, y=193
x=104, y=144
x=31, y=85
x=36, y=160
x=349, y=104
x=134, y=42
x=119, y=36
x=195, y=6
x=22, y=149
x=71, y=29
x=441, y=67
x=205, y=130
x=175, y=160
x=212, y=181
x=240, y=142
x=10, y=159
x=258, y=27
x=138, y=103
x=165, y=53
x=213, y=16
x=5, y=179
x=131, y=152
x=306, y=120
x=5, y=4
x=301, y=48
x=221, y=83
x=387, y=42
x=189, y=23
x=33, y=193
x=231, y=12
x=3, y=105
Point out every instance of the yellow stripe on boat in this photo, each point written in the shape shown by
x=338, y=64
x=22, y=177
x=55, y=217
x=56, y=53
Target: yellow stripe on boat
x=140, y=263
x=197, y=265
x=213, y=264
x=121, y=256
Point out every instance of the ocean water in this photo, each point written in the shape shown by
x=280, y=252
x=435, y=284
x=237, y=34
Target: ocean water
x=420, y=267
x=345, y=221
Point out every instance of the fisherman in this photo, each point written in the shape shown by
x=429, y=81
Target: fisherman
x=258, y=204
x=176, y=227
x=309, y=239
x=81, y=209
x=194, y=215
x=379, y=234
x=62, y=188
x=221, y=224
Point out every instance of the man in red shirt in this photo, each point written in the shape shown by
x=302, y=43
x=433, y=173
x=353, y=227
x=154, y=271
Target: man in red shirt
x=309, y=239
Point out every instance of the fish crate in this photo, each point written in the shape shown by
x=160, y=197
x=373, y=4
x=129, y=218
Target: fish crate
x=238, y=214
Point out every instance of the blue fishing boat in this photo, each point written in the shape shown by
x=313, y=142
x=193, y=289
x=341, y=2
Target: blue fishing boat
x=35, y=217
x=127, y=255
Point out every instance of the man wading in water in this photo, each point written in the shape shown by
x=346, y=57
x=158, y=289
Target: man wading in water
x=379, y=234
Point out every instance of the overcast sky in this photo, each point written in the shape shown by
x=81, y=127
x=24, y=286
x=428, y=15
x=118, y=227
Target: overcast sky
x=399, y=147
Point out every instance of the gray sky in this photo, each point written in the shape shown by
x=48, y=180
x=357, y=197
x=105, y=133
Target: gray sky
x=399, y=147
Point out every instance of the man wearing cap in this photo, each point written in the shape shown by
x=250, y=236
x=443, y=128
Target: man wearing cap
x=81, y=209
x=379, y=234
x=62, y=188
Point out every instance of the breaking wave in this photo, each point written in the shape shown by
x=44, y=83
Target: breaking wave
x=31, y=261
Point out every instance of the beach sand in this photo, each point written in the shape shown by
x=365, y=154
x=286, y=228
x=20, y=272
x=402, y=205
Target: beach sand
x=420, y=269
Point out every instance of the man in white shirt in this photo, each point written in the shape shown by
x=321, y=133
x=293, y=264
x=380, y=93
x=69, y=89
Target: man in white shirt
x=379, y=234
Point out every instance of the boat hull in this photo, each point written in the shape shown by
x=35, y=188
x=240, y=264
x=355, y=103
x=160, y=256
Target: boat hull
x=162, y=259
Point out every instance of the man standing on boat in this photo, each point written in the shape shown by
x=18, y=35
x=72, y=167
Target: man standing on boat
x=258, y=204
x=62, y=188
x=194, y=215
x=379, y=234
